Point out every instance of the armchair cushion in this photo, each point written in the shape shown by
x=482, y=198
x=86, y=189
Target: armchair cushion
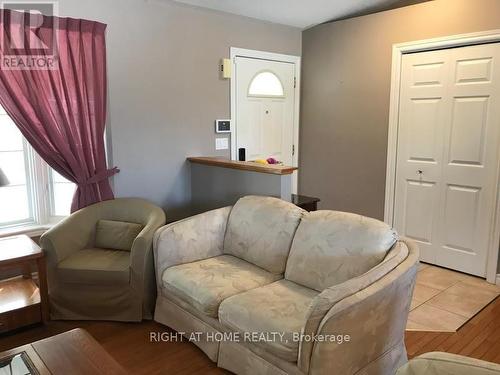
x=117, y=235
x=260, y=230
x=331, y=247
x=206, y=283
x=95, y=266
x=280, y=307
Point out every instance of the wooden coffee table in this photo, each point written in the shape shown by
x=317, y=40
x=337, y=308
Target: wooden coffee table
x=74, y=352
x=22, y=302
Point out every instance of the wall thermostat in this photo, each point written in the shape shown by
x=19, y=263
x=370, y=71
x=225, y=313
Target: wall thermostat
x=223, y=126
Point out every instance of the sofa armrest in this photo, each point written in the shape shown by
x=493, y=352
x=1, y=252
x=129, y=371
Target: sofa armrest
x=69, y=235
x=195, y=238
x=323, y=302
x=436, y=363
x=372, y=309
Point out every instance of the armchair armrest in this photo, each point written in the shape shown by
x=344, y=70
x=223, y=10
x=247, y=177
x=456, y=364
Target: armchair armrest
x=69, y=235
x=141, y=261
x=372, y=309
x=142, y=245
x=195, y=238
x=436, y=363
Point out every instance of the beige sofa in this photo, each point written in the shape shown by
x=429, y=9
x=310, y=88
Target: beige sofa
x=100, y=261
x=248, y=280
x=438, y=363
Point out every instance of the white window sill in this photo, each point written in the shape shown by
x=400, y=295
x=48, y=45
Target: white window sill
x=31, y=230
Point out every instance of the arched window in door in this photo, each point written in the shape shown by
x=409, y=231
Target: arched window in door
x=266, y=84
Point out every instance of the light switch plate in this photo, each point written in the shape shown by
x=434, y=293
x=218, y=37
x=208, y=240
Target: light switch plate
x=221, y=144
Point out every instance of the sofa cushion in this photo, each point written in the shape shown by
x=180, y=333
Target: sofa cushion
x=260, y=230
x=95, y=266
x=206, y=283
x=116, y=235
x=331, y=247
x=439, y=363
x=280, y=307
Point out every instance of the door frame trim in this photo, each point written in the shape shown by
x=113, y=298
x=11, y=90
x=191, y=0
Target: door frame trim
x=264, y=55
x=398, y=50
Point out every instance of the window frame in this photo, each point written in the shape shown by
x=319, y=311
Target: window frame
x=30, y=183
x=40, y=196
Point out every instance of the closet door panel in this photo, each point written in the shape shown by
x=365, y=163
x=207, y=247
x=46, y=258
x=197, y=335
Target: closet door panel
x=448, y=154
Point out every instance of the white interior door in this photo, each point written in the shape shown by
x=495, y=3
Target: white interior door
x=448, y=154
x=265, y=97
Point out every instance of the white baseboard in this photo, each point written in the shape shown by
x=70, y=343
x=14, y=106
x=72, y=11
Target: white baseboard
x=498, y=279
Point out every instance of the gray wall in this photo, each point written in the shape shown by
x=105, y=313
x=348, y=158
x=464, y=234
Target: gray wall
x=345, y=96
x=214, y=187
x=164, y=87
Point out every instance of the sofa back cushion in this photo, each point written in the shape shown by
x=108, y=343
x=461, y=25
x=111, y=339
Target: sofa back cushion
x=260, y=230
x=117, y=235
x=331, y=247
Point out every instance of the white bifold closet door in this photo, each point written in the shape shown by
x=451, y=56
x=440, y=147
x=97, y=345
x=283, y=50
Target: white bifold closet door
x=448, y=154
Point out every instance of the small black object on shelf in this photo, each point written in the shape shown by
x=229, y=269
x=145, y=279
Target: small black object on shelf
x=305, y=202
x=241, y=154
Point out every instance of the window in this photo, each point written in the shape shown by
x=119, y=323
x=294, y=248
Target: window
x=266, y=84
x=61, y=194
x=36, y=194
x=15, y=203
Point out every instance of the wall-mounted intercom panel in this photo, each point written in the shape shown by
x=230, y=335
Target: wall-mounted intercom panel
x=223, y=126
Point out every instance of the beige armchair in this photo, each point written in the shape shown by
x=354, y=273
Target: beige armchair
x=438, y=363
x=100, y=262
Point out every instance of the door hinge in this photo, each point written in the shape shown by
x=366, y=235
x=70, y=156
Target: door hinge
x=294, y=82
x=293, y=150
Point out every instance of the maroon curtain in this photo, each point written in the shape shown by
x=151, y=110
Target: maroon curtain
x=53, y=86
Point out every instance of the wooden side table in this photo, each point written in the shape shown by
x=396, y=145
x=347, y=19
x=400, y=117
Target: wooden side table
x=22, y=302
x=73, y=352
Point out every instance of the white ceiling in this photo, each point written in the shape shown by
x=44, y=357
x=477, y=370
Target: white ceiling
x=298, y=13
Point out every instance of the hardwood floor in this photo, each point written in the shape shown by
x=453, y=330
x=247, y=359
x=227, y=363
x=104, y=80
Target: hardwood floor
x=129, y=343
x=478, y=338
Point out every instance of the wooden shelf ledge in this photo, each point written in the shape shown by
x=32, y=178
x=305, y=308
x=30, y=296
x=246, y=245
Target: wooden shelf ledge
x=243, y=165
x=18, y=293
